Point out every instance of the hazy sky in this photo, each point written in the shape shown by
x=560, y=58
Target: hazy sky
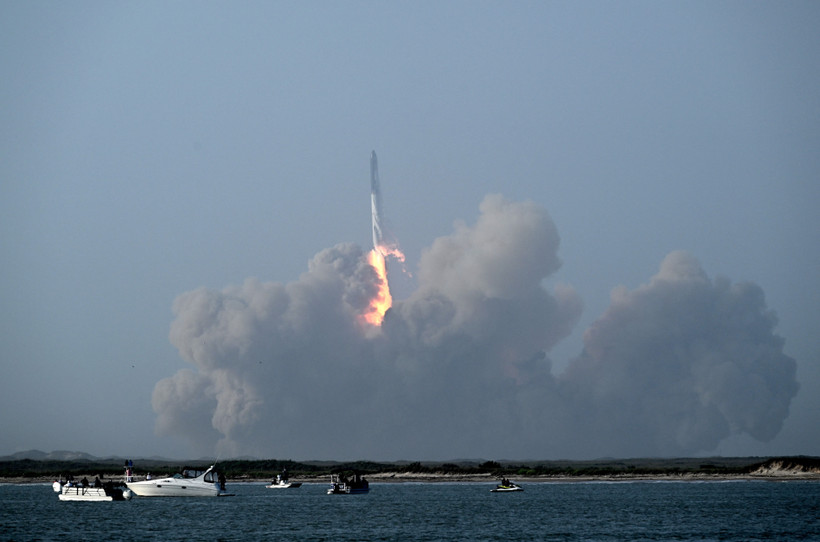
x=609, y=211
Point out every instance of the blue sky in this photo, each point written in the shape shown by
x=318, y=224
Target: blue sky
x=148, y=149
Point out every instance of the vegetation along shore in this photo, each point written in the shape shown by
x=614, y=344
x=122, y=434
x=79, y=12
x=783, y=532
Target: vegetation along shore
x=14, y=470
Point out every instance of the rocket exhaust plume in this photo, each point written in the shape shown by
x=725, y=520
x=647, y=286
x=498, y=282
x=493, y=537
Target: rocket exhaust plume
x=383, y=246
x=382, y=300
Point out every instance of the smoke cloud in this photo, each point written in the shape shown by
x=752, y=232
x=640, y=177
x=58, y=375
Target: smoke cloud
x=461, y=367
x=681, y=363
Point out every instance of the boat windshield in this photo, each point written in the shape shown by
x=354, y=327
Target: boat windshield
x=192, y=473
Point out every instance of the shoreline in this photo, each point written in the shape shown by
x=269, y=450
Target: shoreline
x=403, y=477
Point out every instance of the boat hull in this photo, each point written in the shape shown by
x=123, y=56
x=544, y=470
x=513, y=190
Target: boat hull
x=78, y=493
x=347, y=490
x=290, y=485
x=166, y=488
x=507, y=489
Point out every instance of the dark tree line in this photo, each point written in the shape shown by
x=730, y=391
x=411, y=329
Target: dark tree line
x=268, y=468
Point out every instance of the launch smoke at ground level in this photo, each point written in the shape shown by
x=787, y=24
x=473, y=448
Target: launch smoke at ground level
x=461, y=367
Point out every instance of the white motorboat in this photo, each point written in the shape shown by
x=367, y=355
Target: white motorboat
x=105, y=492
x=340, y=485
x=188, y=483
x=282, y=482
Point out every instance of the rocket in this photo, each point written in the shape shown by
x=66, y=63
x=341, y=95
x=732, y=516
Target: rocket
x=376, y=204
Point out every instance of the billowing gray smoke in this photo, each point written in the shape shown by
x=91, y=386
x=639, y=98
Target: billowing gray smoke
x=459, y=369
x=681, y=363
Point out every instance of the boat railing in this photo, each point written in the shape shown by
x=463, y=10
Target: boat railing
x=77, y=488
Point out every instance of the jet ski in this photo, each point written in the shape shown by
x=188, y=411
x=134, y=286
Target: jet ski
x=505, y=486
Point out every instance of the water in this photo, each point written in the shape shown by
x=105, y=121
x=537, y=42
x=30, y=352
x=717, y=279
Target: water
x=736, y=510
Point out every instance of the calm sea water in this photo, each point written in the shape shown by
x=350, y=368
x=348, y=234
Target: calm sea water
x=737, y=510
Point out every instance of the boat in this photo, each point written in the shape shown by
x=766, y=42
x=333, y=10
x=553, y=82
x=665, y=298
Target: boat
x=341, y=485
x=98, y=492
x=506, y=486
x=282, y=482
x=190, y=482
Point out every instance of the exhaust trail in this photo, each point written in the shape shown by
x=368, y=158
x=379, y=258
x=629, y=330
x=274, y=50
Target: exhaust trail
x=383, y=240
x=376, y=204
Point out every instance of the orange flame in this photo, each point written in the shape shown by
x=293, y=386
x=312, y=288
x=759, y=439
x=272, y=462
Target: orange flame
x=383, y=300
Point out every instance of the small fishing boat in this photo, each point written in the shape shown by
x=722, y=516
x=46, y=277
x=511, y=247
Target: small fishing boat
x=282, y=482
x=341, y=485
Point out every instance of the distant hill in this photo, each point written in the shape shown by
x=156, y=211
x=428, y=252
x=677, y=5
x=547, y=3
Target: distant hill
x=64, y=455
x=57, y=455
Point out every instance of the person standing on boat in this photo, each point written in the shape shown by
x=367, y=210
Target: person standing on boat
x=221, y=481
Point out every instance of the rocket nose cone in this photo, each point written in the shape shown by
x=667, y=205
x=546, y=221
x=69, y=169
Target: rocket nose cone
x=372, y=155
